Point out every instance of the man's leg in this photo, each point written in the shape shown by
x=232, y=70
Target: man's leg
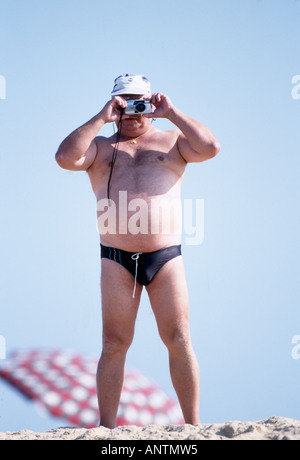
x=119, y=312
x=169, y=300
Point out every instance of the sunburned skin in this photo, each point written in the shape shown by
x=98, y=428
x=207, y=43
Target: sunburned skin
x=151, y=170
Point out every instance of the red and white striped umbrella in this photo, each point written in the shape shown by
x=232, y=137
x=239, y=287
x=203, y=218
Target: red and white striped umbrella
x=65, y=384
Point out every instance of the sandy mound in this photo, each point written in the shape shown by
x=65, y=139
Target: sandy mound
x=275, y=428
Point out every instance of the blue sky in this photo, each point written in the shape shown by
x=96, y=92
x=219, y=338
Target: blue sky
x=229, y=64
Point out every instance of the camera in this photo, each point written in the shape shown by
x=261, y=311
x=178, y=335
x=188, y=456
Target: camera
x=138, y=106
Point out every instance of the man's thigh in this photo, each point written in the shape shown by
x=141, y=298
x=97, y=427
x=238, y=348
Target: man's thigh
x=168, y=296
x=119, y=309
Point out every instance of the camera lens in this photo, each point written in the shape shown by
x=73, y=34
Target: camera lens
x=140, y=107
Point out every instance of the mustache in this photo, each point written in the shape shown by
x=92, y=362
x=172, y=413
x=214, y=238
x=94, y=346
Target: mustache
x=132, y=117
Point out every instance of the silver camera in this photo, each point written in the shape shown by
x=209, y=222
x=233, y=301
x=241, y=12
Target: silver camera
x=138, y=106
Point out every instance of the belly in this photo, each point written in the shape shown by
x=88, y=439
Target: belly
x=144, y=213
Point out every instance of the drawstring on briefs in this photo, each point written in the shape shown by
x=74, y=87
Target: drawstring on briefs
x=136, y=258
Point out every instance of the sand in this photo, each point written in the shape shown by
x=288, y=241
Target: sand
x=274, y=428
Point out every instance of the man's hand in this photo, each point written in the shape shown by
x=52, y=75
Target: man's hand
x=112, y=110
x=163, y=106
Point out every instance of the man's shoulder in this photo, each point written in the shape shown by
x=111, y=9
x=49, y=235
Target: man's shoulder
x=169, y=133
x=162, y=134
x=105, y=140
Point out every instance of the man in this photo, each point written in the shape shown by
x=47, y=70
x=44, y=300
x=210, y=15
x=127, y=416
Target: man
x=142, y=164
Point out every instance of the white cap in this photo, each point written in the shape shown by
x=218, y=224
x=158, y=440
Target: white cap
x=131, y=84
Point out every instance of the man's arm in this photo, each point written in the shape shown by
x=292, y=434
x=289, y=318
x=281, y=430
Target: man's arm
x=79, y=150
x=196, y=142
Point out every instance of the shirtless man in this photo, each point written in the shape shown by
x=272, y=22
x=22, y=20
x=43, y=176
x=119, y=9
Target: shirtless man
x=150, y=164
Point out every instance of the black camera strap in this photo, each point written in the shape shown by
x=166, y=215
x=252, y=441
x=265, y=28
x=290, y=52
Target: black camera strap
x=115, y=153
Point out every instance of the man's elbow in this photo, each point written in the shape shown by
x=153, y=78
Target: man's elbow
x=215, y=148
x=61, y=159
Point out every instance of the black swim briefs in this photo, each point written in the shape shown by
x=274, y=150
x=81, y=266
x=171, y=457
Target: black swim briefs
x=142, y=265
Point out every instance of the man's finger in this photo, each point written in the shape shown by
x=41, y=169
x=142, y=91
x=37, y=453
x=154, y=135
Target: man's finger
x=117, y=100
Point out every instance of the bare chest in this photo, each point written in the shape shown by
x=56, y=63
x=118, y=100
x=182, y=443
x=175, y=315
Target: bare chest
x=141, y=168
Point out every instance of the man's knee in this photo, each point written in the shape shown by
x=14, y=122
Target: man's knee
x=114, y=343
x=176, y=337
